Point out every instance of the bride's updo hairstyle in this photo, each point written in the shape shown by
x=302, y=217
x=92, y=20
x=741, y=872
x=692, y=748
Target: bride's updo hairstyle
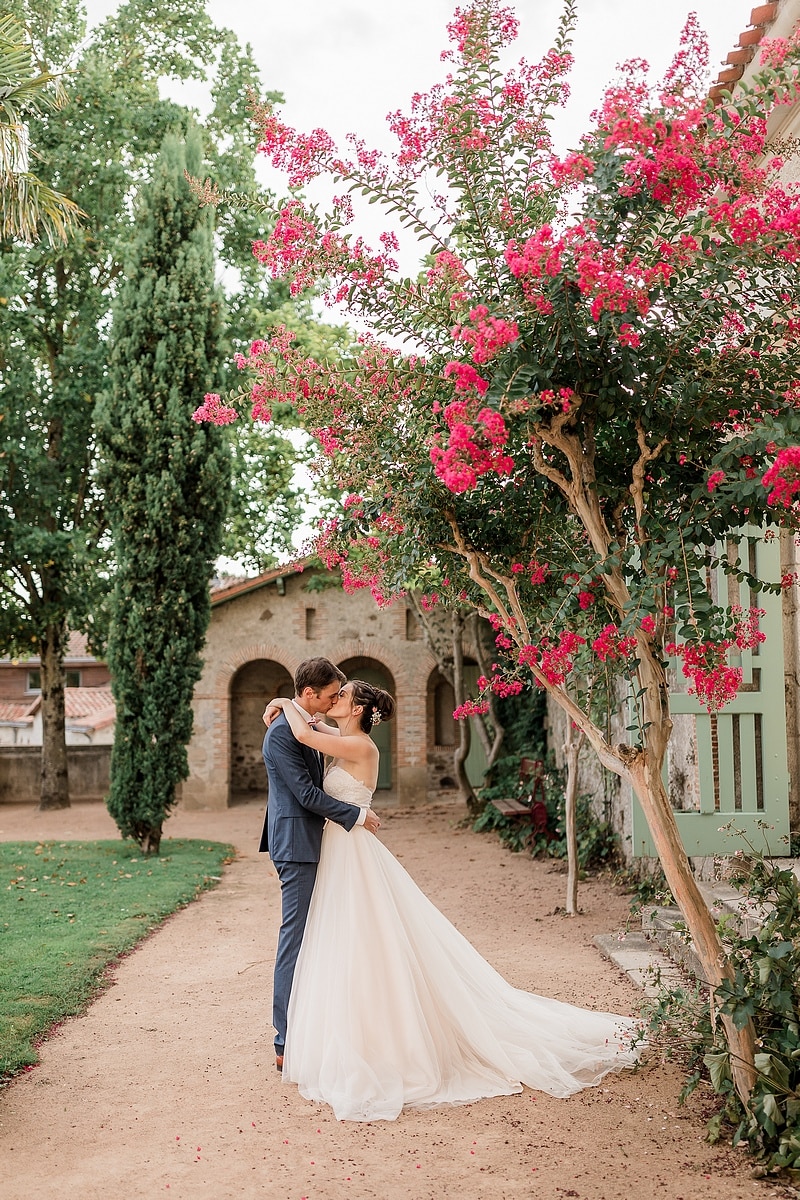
x=378, y=705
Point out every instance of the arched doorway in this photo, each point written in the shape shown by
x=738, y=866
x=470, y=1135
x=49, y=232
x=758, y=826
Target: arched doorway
x=251, y=687
x=444, y=734
x=371, y=671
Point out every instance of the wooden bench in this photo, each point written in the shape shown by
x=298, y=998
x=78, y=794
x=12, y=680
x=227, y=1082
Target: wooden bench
x=529, y=804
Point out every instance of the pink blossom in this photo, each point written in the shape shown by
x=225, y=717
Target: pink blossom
x=629, y=337
x=714, y=682
x=783, y=477
x=470, y=708
x=213, y=410
x=488, y=335
x=714, y=480
x=611, y=646
x=746, y=632
x=539, y=572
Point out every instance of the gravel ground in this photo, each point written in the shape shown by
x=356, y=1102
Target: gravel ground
x=167, y=1084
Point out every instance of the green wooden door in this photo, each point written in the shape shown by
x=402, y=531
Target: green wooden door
x=733, y=770
x=476, y=761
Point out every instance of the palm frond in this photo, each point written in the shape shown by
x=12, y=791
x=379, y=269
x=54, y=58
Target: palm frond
x=30, y=210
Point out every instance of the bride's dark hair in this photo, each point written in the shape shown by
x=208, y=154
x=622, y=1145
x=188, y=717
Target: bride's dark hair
x=378, y=705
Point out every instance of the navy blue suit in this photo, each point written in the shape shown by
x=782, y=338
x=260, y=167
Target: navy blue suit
x=296, y=811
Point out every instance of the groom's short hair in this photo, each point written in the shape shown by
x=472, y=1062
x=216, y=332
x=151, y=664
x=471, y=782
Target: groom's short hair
x=316, y=673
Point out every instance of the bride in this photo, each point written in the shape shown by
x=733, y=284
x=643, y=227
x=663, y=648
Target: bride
x=391, y=1006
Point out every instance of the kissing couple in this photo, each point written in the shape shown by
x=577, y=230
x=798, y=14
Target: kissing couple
x=379, y=1003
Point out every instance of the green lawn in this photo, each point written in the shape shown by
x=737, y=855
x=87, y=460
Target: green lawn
x=68, y=909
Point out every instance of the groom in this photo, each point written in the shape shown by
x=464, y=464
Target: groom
x=296, y=812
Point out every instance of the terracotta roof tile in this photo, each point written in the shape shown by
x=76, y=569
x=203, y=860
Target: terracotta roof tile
x=230, y=591
x=87, y=702
x=10, y=711
x=761, y=17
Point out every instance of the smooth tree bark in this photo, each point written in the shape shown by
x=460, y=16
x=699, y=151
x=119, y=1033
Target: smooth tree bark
x=464, y=727
x=572, y=751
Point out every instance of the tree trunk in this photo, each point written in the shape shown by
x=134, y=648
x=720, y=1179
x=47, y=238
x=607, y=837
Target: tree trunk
x=55, y=773
x=572, y=749
x=645, y=777
x=464, y=730
x=150, y=842
x=491, y=747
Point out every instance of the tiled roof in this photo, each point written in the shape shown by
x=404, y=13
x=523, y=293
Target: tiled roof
x=18, y=711
x=90, y=708
x=87, y=702
x=733, y=69
x=77, y=652
x=221, y=594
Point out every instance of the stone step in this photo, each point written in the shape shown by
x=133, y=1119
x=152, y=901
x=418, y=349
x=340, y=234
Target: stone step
x=666, y=928
x=663, y=953
x=641, y=960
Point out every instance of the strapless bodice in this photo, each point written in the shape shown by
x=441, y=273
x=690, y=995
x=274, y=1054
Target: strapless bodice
x=342, y=786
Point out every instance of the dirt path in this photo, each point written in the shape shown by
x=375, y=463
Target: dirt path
x=167, y=1085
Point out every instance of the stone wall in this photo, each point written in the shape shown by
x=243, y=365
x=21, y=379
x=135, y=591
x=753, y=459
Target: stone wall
x=276, y=623
x=89, y=768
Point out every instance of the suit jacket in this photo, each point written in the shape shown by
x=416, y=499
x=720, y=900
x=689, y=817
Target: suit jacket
x=296, y=804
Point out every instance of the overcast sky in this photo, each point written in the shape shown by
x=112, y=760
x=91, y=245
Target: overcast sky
x=345, y=64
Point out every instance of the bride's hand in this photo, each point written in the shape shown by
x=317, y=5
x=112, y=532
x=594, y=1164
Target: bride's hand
x=274, y=709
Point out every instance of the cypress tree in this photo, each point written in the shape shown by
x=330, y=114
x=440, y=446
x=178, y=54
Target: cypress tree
x=166, y=481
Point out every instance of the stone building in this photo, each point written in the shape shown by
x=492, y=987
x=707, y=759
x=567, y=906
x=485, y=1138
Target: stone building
x=90, y=718
x=261, y=629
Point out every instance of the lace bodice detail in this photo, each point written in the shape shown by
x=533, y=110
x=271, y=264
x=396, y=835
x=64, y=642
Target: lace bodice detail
x=342, y=786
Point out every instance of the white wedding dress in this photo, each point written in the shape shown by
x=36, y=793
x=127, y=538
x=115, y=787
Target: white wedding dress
x=391, y=1006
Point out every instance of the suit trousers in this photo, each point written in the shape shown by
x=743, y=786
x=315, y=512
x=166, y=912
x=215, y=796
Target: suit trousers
x=297, y=884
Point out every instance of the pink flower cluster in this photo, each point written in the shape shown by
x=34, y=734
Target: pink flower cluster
x=539, y=572
x=470, y=708
x=746, y=633
x=612, y=279
x=783, y=477
x=475, y=446
x=212, y=409
x=554, y=660
x=301, y=156
x=563, y=399
x=298, y=251
x=501, y=686
x=714, y=682
x=611, y=646
x=466, y=379
x=488, y=336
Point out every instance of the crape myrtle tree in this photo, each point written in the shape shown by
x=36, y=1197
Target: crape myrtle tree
x=165, y=481
x=592, y=384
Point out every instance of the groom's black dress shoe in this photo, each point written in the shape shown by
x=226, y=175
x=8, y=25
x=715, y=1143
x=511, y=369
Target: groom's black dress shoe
x=279, y=1061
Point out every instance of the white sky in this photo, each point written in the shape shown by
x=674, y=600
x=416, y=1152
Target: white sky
x=345, y=64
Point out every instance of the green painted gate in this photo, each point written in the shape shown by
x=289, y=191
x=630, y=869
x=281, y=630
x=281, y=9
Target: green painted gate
x=736, y=770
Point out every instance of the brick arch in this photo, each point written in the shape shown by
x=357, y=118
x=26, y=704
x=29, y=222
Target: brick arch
x=394, y=662
x=247, y=654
